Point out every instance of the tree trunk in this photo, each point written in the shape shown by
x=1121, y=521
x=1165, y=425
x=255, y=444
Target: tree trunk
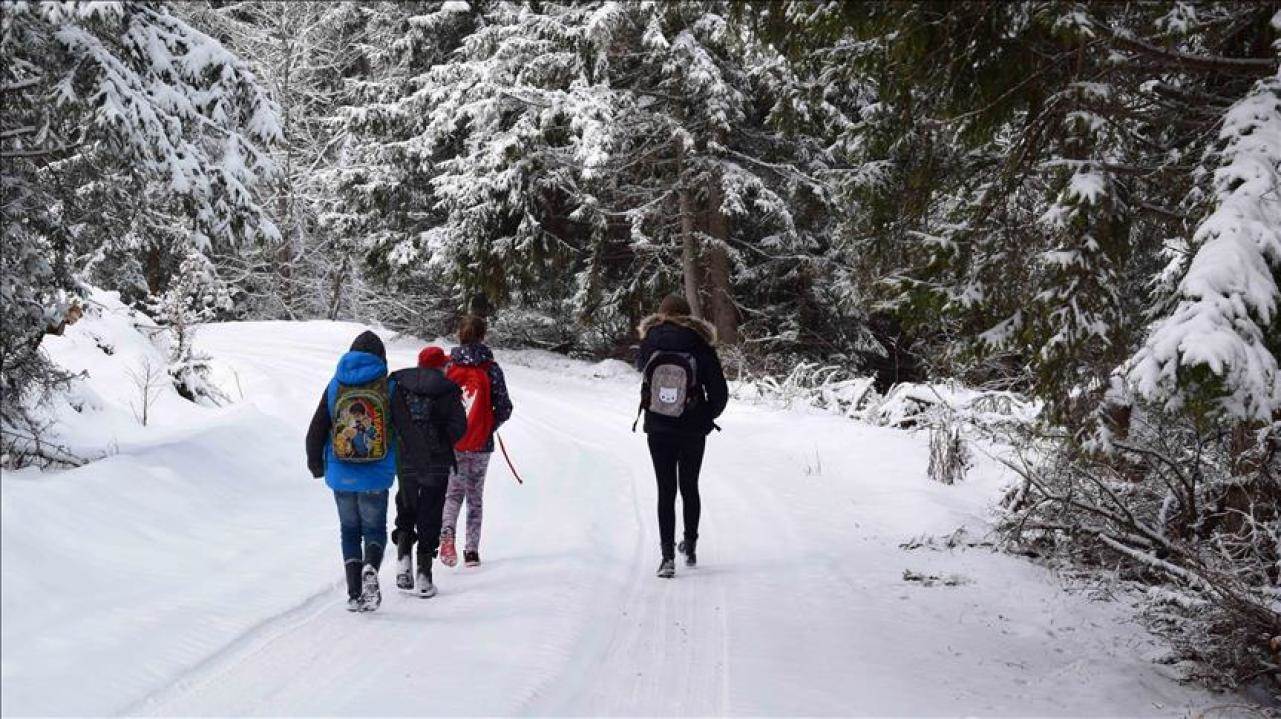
x=285, y=253
x=689, y=242
x=720, y=299
x=335, y=296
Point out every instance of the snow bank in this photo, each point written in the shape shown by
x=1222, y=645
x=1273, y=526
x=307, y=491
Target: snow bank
x=543, y=360
x=111, y=351
x=830, y=390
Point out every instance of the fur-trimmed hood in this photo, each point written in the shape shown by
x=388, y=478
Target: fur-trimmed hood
x=702, y=327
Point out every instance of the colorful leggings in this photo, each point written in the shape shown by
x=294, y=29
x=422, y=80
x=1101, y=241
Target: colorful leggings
x=468, y=482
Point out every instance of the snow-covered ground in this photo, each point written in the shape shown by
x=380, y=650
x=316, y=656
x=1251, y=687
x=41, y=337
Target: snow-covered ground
x=196, y=570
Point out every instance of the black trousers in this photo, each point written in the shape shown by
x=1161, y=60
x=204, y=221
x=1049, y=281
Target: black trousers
x=677, y=461
x=419, y=504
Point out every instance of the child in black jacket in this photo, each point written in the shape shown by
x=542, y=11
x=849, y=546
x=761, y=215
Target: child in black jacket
x=435, y=403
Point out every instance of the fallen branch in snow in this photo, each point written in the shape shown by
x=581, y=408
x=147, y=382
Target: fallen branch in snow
x=929, y=580
x=950, y=541
x=27, y=448
x=1168, y=512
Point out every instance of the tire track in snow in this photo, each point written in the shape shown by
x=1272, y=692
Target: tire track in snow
x=251, y=642
x=630, y=667
x=313, y=635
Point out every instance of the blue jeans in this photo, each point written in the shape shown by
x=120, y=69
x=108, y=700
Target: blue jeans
x=362, y=515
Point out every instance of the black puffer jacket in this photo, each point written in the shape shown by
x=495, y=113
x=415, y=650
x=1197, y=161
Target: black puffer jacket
x=448, y=418
x=679, y=333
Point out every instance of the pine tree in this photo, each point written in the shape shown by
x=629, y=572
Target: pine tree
x=1216, y=349
x=300, y=49
x=591, y=156
x=1017, y=171
x=124, y=130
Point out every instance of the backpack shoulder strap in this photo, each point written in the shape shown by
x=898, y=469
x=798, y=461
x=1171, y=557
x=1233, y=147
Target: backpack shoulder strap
x=644, y=393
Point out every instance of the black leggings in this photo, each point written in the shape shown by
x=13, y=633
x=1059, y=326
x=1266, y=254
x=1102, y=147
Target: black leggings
x=418, y=511
x=677, y=460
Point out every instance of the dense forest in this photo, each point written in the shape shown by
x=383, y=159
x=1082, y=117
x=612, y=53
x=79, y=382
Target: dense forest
x=1074, y=201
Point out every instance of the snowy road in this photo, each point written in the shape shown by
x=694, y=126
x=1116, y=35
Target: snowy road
x=799, y=605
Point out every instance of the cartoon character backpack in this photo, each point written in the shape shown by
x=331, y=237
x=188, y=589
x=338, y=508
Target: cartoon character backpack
x=360, y=422
x=474, y=381
x=669, y=385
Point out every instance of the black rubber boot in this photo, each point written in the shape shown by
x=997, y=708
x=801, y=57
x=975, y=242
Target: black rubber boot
x=374, y=554
x=354, y=586
x=425, y=559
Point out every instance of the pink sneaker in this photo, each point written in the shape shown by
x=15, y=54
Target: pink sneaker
x=448, y=555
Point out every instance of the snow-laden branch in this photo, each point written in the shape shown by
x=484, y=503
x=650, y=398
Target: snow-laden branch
x=1228, y=298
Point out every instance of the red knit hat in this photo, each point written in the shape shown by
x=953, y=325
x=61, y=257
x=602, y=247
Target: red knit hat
x=432, y=357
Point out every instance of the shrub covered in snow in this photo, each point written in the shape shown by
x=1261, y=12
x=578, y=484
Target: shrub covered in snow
x=827, y=387
x=1179, y=488
x=196, y=295
x=1190, y=518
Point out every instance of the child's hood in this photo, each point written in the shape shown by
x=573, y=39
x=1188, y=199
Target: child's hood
x=357, y=367
x=472, y=355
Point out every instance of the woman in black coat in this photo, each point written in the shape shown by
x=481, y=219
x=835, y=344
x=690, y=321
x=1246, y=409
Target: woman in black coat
x=677, y=436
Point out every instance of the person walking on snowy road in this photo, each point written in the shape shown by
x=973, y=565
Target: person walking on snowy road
x=683, y=391
x=472, y=367
x=436, y=408
x=352, y=442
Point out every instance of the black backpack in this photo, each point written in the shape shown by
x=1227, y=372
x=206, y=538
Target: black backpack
x=421, y=408
x=669, y=385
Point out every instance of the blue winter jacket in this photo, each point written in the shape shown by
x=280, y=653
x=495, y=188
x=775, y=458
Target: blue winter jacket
x=356, y=368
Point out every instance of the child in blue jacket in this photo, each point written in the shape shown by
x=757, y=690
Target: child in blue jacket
x=362, y=468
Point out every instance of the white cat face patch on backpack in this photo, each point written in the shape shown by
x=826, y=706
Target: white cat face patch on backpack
x=668, y=390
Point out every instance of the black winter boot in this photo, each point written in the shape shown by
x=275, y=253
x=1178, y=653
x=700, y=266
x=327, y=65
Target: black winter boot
x=686, y=548
x=667, y=568
x=405, y=562
x=370, y=594
x=354, y=586
x=425, y=586
x=374, y=554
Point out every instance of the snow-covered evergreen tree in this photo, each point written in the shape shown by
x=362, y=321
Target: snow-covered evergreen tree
x=195, y=295
x=590, y=154
x=302, y=52
x=1220, y=340
x=128, y=139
